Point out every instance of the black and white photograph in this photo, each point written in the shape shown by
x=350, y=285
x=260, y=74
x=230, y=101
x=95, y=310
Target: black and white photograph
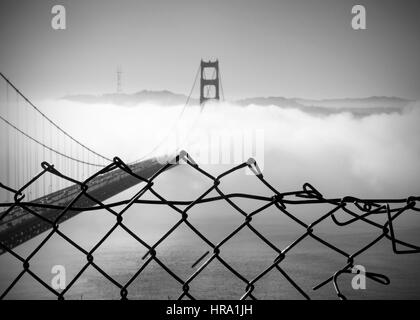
x=222, y=150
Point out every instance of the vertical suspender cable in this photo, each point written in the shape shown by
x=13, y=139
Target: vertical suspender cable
x=8, y=169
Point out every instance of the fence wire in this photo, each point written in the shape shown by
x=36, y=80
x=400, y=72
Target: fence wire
x=356, y=210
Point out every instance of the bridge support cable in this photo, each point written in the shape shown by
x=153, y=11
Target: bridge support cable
x=215, y=75
x=221, y=86
x=52, y=122
x=29, y=138
x=175, y=125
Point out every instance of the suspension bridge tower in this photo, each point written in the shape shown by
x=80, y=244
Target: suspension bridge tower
x=209, y=87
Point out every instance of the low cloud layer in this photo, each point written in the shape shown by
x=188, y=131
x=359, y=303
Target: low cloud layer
x=376, y=154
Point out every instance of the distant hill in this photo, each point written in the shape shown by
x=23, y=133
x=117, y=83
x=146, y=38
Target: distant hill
x=164, y=97
x=371, y=102
x=358, y=106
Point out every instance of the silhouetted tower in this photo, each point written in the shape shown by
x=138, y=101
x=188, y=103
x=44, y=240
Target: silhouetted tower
x=206, y=84
x=119, y=85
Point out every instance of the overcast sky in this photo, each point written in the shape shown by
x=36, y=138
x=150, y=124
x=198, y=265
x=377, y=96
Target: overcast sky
x=281, y=48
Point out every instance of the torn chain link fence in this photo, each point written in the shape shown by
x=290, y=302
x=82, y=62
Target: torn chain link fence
x=355, y=209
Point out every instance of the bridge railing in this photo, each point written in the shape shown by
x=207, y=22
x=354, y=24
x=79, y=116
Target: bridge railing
x=354, y=210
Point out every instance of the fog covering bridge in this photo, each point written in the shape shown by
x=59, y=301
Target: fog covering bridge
x=29, y=137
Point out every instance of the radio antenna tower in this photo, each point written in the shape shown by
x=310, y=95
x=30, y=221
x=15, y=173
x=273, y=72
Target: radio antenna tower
x=119, y=74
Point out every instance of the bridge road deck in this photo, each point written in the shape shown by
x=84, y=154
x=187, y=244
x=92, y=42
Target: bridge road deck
x=20, y=225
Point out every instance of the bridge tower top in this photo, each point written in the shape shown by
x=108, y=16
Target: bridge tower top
x=209, y=87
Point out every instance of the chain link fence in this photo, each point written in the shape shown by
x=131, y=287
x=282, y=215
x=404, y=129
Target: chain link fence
x=356, y=210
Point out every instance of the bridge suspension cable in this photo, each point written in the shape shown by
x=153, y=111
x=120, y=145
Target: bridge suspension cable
x=47, y=147
x=165, y=138
x=185, y=143
x=29, y=137
x=221, y=86
x=52, y=122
